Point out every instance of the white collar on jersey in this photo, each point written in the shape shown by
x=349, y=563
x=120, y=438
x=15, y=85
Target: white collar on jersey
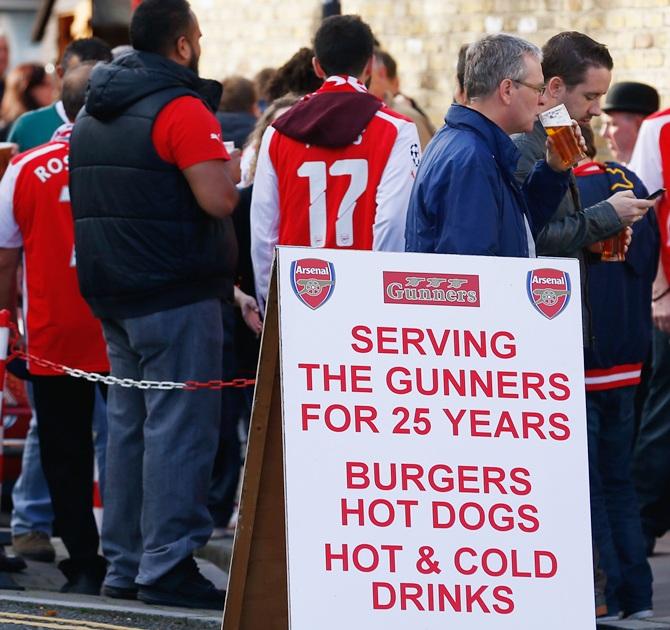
x=63, y=133
x=60, y=110
x=339, y=80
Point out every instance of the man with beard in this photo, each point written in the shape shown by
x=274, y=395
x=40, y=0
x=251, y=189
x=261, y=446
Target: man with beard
x=578, y=71
x=150, y=185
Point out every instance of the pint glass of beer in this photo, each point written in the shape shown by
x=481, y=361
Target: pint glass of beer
x=7, y=151
x=558, y=124
x=614, y=248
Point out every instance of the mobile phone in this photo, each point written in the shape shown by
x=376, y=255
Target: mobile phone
x=658, y=193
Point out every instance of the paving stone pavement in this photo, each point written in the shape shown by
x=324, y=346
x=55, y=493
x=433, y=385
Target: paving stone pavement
x=42, y=582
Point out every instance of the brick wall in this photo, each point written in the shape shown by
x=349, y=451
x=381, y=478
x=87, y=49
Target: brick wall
x=424, y=35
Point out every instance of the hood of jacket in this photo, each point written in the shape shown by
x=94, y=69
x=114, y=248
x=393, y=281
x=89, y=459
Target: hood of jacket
x=329, y=119
x=116, y=86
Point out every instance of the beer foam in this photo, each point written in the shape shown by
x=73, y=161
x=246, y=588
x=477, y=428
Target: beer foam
x=556, y=117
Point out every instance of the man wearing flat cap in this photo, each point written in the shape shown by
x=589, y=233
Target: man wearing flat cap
x=627, y=104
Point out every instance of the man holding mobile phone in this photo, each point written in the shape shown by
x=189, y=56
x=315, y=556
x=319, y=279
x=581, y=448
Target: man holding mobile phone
x=620, y=297
x=577, y=72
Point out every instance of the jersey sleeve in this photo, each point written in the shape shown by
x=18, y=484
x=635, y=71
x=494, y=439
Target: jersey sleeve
x=394, y=190
x=264, y=218
x=186, y=133
x=10, y=234
x=646, y=159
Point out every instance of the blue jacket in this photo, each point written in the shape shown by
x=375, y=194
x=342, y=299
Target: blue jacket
x=619, y=293
x=465, y=198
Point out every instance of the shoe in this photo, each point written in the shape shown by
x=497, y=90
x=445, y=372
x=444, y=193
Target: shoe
x=35, y=545
x=219, y=533
x=7, y=583
x=119, y=592
x=615, y=617
x=11, y=564
x=183, y=586
x=85, y=579
x=647, y=613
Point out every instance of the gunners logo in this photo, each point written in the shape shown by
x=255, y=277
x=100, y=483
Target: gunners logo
x=435, y=289
x=313, y=281
x=548, y=291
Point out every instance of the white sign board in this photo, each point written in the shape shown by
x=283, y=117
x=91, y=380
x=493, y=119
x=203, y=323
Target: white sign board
x=435, y=442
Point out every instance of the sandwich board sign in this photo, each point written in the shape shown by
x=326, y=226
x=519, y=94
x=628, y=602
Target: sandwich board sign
x=417, y=454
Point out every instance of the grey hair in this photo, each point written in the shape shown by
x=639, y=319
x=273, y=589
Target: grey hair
x=494, y=58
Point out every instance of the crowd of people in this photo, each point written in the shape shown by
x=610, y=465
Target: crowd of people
x=146, y=244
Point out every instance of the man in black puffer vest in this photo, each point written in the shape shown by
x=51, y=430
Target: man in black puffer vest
x=151, y=192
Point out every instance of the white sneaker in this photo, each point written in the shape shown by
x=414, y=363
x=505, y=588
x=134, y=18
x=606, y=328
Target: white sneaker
x=610, y=617
x=641, y=614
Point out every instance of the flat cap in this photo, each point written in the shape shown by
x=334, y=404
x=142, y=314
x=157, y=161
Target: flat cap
x=629, y=96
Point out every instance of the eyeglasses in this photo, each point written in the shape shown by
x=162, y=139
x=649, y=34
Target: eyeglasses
x=540, y=89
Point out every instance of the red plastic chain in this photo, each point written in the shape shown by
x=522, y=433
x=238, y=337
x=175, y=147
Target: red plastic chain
x=17, y=352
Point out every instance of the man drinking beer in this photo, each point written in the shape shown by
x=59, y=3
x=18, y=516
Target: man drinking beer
x=578, y=71
x=465, y=199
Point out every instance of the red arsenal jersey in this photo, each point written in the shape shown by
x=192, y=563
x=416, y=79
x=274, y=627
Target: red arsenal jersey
x=352, y=196
x=35, y=213
x=651, y=163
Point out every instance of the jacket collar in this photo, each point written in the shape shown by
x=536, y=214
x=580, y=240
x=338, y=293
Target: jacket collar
x=115, y=86
x=503, y=149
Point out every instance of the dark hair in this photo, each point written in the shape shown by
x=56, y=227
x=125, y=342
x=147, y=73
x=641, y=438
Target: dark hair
x=87, y=49
x=590, y=139
x=460, y=66
x=157, y=24
x=388, y=62
x=343, y=45
x=239, y=95
x=75, y=83
x=570, y=54
x=262, y=81
x=295, y=76
x=18, y=97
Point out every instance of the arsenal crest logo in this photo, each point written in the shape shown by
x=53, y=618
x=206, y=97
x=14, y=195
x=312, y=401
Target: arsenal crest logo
x=313, y=281
x=548, y=291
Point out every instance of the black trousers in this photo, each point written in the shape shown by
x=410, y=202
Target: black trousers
x=64, y=407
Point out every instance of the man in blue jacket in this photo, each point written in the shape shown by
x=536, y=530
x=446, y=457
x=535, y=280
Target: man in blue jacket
x=465, y=199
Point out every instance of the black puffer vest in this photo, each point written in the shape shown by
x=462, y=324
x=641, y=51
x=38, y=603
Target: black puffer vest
x=143, y=244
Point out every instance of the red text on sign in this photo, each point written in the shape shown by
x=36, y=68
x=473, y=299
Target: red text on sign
x=426, y=341
x=339, y=378
x=339, y=418
x=496, y=563
x=364, y=558
x=438, y=478
x=457, y=598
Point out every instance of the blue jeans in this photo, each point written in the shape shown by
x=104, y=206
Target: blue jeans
x=161, y=444
x=615, y=518
x=30, y=496
x=651, y=467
